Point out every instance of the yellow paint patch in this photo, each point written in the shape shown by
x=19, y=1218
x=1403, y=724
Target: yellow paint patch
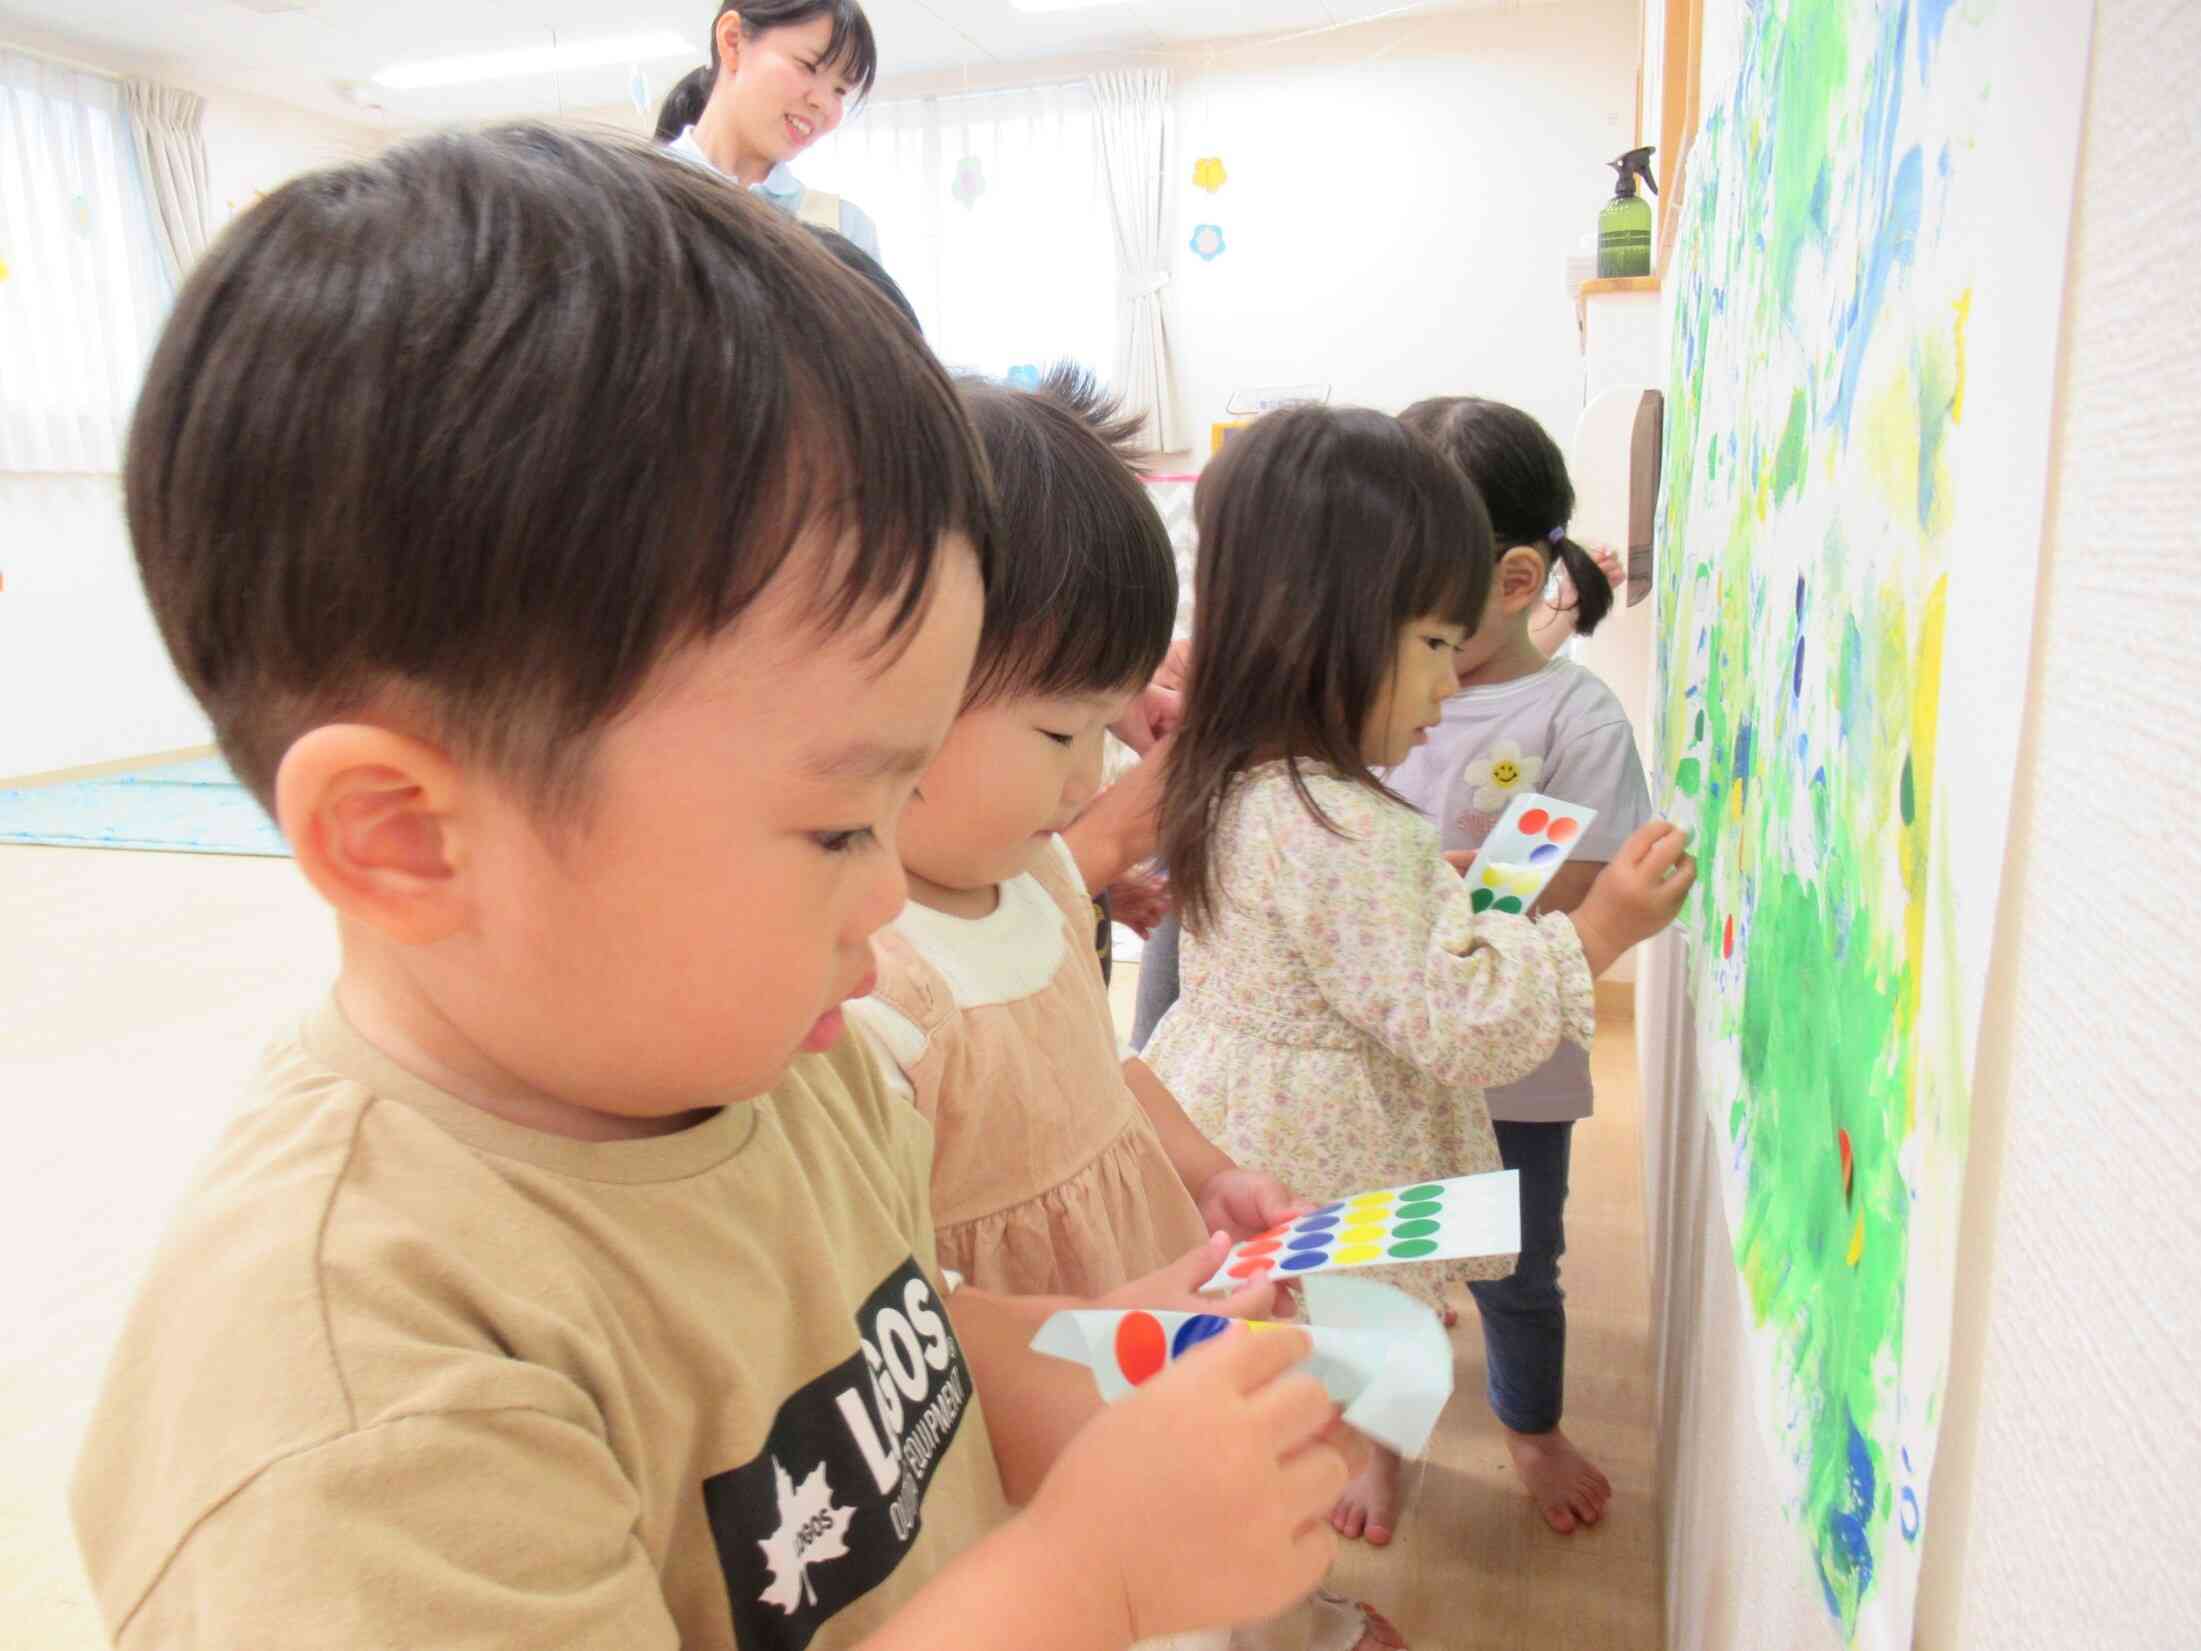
x=1892, y=437
x=1355, y=1254
x=1916, y=859
x=1857, y=1242
x=1963, y=324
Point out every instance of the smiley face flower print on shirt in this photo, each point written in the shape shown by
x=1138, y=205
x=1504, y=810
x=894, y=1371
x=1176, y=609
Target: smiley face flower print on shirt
x=1499, y=774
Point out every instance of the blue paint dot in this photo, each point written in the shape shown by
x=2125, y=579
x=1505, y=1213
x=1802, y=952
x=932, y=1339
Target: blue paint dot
x=1317, y=1223
x=1195, y=1330
x=1908, y=1516
x=1543, y=855
x=1309, y=1241
x=1331, y=1209
x=1306, y=1258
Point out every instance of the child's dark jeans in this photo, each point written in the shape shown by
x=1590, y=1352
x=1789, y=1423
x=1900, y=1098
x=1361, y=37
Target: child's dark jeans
x=1525, y=1316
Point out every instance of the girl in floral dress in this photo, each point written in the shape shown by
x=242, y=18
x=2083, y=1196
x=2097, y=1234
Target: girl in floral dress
x=1344, y=1005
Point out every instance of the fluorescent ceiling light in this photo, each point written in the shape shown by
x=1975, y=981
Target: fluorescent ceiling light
x=534, y=60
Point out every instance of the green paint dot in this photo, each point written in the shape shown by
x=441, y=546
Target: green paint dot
x=1910, y=794
x=1482, y=899
x=1413, y=1249
x=1430, y=1189
x=1690, y=775
x=1511, y=903
x=1418, y=1212
x=1415, y=1229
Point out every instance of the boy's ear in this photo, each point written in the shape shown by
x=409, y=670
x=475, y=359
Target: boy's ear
x=375, y=821
x=1521, y=575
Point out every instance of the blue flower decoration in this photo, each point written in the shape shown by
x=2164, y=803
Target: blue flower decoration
x=1208, y=242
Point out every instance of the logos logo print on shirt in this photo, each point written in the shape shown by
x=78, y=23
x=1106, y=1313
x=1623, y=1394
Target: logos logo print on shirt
x=866, y=1439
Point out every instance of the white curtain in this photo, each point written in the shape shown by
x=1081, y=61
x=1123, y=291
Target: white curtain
x=993, y=217
x=1134, y=134
x=168, y=128
x=82, y=291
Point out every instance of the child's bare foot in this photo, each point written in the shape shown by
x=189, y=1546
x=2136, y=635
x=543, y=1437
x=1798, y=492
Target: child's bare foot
x=1370, y=1506
x=1566, y=1485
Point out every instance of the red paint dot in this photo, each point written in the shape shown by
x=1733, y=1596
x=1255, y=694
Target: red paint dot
x=1534, y=821
x=1252, y=1269
x=1565, y=830
x=1141, y=1347
x=1261, y=1246
x=1727, y=947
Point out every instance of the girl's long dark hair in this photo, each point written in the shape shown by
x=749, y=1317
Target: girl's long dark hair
x=683, y=105
x=1323, y=533
x=1522, y=476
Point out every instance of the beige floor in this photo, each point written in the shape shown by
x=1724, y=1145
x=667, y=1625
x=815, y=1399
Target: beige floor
x=135, y=990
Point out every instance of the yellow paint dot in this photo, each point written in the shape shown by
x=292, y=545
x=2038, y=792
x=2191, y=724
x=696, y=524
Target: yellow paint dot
x=1263, y=1324
x=1493, y=876
x=1352, y=1254
x=1373, y=1201
x=1364, y=1234
x=1857, y=1242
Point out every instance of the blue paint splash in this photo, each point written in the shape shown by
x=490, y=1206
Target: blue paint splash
x=1847, y=1525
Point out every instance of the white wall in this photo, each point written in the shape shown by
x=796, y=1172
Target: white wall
x=2079, y=1354
x=83, y=677
x=2070, y=1441
x=1401, y=203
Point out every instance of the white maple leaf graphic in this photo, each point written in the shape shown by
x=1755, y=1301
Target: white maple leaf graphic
x=811, y=1530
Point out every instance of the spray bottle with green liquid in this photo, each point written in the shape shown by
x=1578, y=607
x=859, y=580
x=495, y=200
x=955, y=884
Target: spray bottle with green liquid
x=1624, y=227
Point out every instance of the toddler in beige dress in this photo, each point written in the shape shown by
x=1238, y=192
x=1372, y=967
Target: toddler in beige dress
x=1057, y=1170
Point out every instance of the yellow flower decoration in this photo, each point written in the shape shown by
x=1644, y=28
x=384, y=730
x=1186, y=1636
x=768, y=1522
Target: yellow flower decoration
x=1208, y=173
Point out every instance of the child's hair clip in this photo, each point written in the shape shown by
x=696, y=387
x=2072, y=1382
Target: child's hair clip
x=1556, y=534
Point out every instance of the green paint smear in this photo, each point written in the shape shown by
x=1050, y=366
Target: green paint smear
x=1689, y=777
x=1825, y=1045
x=1788, y=464
x=1811, y=68
x=1910, y=793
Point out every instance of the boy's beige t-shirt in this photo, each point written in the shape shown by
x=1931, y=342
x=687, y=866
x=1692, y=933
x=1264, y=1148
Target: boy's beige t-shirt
x=405, y=1375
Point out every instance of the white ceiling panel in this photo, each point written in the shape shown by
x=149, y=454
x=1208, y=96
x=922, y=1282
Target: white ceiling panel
x=317, y=54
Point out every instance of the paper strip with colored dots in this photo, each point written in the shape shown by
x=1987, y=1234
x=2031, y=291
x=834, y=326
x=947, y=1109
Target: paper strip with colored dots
x=1524, y=851
x=1469, y=1215
x=1379, y=1353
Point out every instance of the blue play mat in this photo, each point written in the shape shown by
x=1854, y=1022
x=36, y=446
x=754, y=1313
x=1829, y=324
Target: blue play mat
x=194, y=806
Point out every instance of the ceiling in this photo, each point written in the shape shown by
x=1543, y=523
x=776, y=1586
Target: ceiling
x=318, y=54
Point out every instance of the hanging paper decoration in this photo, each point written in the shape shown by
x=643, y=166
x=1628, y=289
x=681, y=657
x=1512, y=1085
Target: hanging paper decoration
x=970, y=181
x=1208, y=173
x=638, y=92
x=1208, y=242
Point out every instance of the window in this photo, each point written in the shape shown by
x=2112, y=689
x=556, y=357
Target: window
x=993, y=216
x=83, y=294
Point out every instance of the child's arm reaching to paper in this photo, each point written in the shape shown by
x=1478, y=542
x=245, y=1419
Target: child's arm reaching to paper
x=1240, y=1202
